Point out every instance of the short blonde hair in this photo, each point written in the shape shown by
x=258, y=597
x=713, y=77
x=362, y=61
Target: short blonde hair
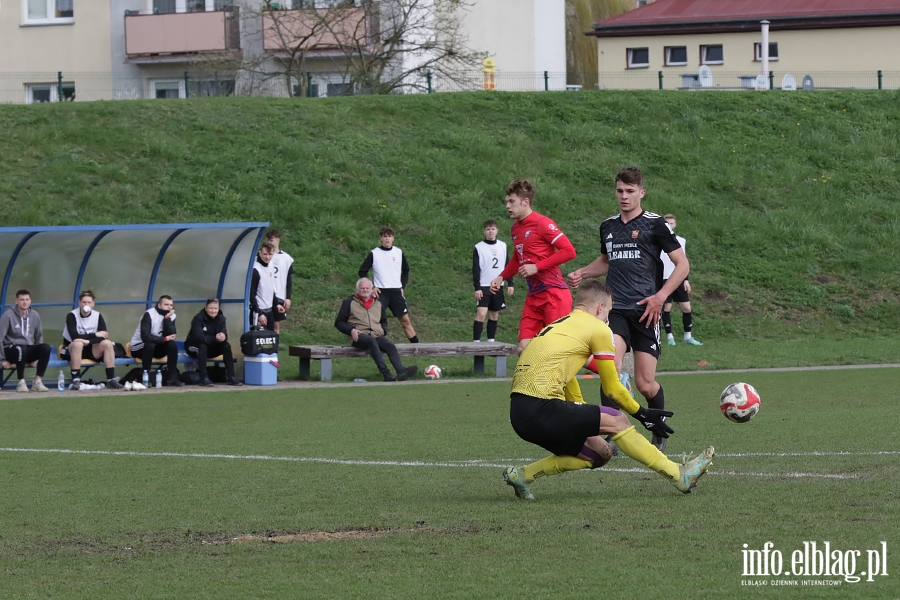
x=592, y=293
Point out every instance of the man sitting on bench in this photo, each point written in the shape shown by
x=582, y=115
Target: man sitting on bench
x=364, y=319
x=23, y=341
x=155, y=338
x=86, y=338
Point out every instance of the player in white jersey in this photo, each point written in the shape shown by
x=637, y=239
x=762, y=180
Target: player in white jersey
x=86, y=337
x=390, y=273
x=283, y=264
x=488, y=261
x=262, y=289
x=681, y=295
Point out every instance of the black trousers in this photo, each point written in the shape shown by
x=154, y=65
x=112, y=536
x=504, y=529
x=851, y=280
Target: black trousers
x=205, y=351
x=152, y=350
x=22, y=355
x=375, y=346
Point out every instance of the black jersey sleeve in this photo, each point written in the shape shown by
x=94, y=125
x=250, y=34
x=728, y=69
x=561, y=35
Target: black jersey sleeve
x=663, y=237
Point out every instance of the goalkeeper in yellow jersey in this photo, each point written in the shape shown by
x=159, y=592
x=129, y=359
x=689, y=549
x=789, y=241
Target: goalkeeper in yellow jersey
x=574, y=432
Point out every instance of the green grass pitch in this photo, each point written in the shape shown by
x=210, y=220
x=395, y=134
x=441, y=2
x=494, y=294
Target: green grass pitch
x=394, y=491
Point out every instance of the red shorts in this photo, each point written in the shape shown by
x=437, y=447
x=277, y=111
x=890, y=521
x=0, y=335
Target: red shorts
x=543, y=308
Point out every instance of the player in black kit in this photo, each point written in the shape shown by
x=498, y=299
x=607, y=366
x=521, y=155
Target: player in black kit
x=631, y=243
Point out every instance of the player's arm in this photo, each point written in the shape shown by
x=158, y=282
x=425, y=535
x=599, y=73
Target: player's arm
x=366, y=265
x=612, y=386
x=404, y=273
x=598, y=268
x=565, y=252
x=512, y=267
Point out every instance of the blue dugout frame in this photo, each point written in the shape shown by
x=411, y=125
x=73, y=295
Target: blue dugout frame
x=249, y=228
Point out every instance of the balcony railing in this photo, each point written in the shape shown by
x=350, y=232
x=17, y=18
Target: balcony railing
x=315, y=29
x=182, y=33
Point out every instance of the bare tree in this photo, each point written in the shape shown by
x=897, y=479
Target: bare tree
x=381, y=46
x=581, y=50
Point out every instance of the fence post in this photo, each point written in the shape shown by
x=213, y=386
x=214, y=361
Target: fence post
x=879, y=79
x=660, y=79
x=428, y=79
x=187, y=85
x=309, y=85
x=771, y=80
x=59, y=94
x=546, y=81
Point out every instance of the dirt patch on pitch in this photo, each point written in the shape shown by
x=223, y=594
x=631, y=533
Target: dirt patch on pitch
x=317, y=536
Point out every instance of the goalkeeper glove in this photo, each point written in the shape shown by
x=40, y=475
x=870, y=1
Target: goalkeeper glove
x=655, y=420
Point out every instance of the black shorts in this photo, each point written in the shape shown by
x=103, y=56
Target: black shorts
x=637, y=336
x=393, y=299
x=87, y=353
x=492, y=302
x=278, y=316
x=555, y=425
x=679, y=295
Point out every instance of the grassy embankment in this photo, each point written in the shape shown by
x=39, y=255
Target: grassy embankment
x=788, y=201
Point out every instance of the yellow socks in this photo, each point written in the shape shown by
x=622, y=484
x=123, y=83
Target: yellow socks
x=554, y=465
x=637, y=447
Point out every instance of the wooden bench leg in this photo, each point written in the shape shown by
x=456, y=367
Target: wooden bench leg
x=479, y=365
x=326, y=369
x=501, y=366
x=304, y=368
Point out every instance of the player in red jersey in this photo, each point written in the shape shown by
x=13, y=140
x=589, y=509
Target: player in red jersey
x=539, y=248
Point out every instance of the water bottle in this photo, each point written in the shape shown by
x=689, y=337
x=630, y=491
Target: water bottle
x=145, y=379
x=158, y=378
x=61, y=382
x=359, y=380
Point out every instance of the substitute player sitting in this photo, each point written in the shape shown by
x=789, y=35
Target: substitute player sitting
x=574, y=432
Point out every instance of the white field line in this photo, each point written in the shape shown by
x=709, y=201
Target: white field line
x=494, y=463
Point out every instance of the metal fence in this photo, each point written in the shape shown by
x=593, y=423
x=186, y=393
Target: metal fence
x=37, y=87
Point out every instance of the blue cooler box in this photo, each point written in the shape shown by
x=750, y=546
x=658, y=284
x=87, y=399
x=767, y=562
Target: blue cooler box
x=261, y=369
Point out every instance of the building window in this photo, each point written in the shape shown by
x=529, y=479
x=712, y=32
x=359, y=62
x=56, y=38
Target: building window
x=638, y=58
x=712, y=55
x=48, y=12
x=676, y=55
x=641, y=3
x=38, y=93
x=164, y=6
x=167, y=88
x=773, y=51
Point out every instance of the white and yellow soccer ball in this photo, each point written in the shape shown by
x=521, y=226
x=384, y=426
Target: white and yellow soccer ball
x=739, y=402
x=432, y=372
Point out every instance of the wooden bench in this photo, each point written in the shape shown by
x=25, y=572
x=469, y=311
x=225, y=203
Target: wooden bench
x=325, y=354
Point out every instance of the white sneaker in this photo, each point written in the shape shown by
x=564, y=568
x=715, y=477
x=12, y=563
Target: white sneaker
x=128, y=387
x=138, y=386
x=22, y=386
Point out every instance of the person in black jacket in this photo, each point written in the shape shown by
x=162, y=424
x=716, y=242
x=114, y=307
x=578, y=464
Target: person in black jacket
x=364, y=319
x=209, y=337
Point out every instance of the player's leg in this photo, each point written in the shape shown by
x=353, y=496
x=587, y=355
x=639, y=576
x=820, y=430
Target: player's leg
x=492, y=322
x=76, y=355
x=633, y=444
x=667, y=321
x=478, y=326
x=106, y=351
x=687, y=319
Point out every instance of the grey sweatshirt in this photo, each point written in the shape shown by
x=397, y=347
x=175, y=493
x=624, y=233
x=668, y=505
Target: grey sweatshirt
x=16, y=330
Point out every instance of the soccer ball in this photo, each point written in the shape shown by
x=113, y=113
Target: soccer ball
x=433, y=372
x=739, y=402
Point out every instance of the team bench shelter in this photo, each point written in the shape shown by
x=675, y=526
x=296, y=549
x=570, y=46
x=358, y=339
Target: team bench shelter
x=326, y=354
x=128, y=267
